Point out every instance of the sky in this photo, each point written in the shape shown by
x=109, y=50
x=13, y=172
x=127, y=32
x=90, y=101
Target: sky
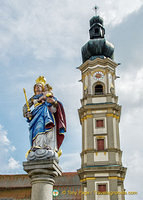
x=45, y=38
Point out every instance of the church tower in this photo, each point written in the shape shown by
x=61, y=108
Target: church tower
x=101, y=173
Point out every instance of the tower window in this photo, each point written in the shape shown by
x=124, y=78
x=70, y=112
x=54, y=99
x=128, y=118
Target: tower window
x=102, y=188
x=100, y=144
x=97, y=31
x=100, y=123
x=98, y=89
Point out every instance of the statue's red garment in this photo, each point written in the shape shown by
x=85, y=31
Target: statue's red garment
x=60, y=123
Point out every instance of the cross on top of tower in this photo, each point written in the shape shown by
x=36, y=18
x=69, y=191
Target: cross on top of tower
x=95, y=9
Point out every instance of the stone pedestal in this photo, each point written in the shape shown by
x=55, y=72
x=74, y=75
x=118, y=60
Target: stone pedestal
x=42, y=173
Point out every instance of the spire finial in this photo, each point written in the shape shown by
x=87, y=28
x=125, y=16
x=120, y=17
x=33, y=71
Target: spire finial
x=95, y=9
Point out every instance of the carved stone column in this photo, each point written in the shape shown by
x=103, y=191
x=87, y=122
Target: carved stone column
x=42, y=173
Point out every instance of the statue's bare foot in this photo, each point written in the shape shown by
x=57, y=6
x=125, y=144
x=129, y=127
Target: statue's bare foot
x=47, y=147
x=35, y=148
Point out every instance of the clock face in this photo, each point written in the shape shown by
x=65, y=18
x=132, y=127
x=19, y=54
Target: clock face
x=98, y=76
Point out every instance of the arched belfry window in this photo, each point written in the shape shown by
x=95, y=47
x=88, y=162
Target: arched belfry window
x=99, y=89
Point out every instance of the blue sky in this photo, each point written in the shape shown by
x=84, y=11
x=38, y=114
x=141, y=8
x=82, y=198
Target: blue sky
x=45, y=38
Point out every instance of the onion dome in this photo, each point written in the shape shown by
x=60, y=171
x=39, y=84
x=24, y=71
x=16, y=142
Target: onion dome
x=97, y=46
x=96, y=20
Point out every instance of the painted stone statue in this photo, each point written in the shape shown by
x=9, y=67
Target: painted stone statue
x=47, y=123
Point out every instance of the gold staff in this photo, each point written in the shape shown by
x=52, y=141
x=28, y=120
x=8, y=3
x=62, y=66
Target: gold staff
x=28, y=108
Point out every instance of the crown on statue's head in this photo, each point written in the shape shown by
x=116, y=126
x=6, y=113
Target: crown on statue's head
x=41, y=80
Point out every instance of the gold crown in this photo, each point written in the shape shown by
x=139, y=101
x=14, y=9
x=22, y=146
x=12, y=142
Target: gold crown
x=41, y=80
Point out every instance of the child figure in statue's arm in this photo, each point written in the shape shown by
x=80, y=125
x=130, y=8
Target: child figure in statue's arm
x=48, y=96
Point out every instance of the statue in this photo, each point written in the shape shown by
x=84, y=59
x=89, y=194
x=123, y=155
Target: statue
x=47, y=123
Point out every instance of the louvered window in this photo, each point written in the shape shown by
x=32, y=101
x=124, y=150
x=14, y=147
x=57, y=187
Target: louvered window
x=98, y=89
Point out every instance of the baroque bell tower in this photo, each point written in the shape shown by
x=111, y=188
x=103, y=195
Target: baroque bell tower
x=101, y=173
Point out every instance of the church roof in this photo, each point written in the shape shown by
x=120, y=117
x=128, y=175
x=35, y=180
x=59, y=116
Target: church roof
x=18, y=186
x=14, y=181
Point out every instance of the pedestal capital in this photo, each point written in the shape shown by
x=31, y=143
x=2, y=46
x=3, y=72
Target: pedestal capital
x=42, y=167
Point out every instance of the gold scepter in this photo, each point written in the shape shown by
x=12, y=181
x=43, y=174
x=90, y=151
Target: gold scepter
x=28, y=108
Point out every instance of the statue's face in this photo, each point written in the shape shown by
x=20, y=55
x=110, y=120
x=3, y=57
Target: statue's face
x=38, y=88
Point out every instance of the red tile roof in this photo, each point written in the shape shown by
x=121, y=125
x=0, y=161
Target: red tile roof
x=19, y=187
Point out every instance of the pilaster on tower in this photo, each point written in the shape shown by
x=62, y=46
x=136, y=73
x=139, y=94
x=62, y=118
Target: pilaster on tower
x=101, y=158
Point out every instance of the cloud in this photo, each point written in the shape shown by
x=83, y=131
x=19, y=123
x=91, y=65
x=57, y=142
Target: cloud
x=8, y=163
x=13, y=164
x=134, y=173
x=127, y=39
x=5, y=143
x=47, y=29
x=114, y=12
x=130, y=87
x=70, y=162
x=131, y=143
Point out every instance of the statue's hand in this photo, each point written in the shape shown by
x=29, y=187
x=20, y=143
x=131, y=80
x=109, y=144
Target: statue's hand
x=28, y=115
x=42, y=99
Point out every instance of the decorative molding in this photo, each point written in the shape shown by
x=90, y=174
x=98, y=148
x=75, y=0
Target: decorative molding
x=100, y=137
x=101, y=152
x=116, y=177
x=98, y=62
x=112, y=73
x=110, y=178
x=88, y=178
x=112, y=115
x=97, y=70
x=88, y=150
x=85, y=74
x=105, y=150
x=86, y=117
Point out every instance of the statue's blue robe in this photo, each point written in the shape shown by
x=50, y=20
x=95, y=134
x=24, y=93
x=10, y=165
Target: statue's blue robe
x=42, y=120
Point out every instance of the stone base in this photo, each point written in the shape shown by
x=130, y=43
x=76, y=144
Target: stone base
x=42, y=173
